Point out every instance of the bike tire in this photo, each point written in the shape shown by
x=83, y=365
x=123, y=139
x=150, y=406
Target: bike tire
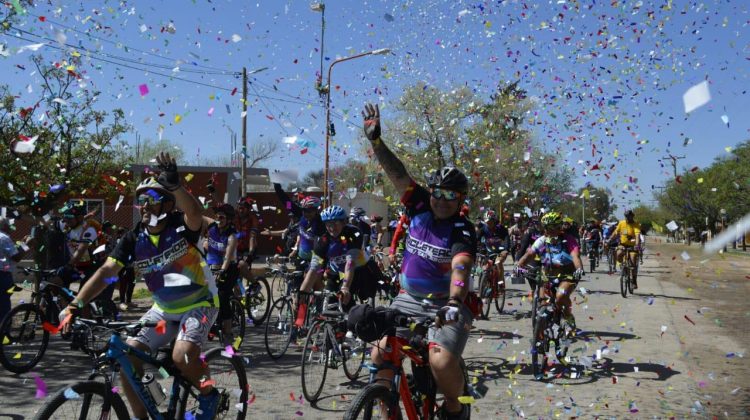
x=228, y=373
x=539, y=349
x=630, y=280
x=279, y=328
x=500, y=298
x=239, y=322
x=534, y=306
x=624, y=278
x=592, y=263
x=258, y=300
x=28, y=330
x=485, y=295
x=56, y=408
x=353, y=352
x=277, y=284
x=315, y=361
x=369, y=403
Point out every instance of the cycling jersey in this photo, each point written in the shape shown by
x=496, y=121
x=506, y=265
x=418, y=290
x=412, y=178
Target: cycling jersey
x=431, y=245
x=628, y=232
x=309, y=230
x=494, y=240
x=556, y=253
x=528, y=239
x=218, y=239
x=245, y=229
x=171, y=265
x=333, y=253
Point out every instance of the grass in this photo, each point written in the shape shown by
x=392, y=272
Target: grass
x=141, y=293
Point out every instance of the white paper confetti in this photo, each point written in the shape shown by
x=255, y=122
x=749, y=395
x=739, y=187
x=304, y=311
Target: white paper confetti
x=696, y=96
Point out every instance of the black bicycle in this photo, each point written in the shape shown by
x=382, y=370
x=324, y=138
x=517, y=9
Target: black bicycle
x=25, y=330
x=628, y=271
x=592, y=249
x=328, y=346
x=280, y=329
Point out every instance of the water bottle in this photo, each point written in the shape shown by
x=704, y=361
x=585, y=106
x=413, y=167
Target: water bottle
x=153, y=388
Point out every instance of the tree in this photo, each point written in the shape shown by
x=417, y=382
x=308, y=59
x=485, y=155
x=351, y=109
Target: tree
x=58, y=142
x=147, y=150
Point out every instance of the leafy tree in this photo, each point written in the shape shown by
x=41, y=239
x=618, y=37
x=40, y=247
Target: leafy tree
x=58, y=142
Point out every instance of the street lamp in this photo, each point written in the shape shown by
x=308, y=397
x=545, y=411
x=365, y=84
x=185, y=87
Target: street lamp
x=243, y=170
x=326, y=188
x=723, y=215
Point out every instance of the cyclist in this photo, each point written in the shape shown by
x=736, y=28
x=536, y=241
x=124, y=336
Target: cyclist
x=338, y=253
x=378, y=230
x=440, y=251
x=311, y=226
x=495, y=238
x=246, y=224
x=532, y=233
x=570, y=227
x=80, y=236
x=357, y=219
x=164, y=250
x=516, y=233
x=559, y=252
x=10, y=254
x=628, y=231
x=402, y=228
x=593, y=237
x=221, y=255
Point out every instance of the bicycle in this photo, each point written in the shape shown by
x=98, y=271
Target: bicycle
x=277, y=270
x=627, y=271
x=592, y=249
x=491, y=288
x=416, y=391
x=327, y=346
x=612, y=258
x=97, y=399
x=25, y=330
x=547, y=328
x=237, y=310
x=280, y=330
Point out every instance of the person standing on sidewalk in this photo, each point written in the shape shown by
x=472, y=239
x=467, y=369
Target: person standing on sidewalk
x=10, y=254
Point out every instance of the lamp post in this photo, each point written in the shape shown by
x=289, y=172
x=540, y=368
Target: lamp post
x=723, y=215
x=243, y=170
x=326, y=188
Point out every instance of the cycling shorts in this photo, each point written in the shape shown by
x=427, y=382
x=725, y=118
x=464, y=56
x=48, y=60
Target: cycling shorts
x=452, y=337
x=192, y=326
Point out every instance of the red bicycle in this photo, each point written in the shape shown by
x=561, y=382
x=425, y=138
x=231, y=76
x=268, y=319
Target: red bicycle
x=416, y=392
x=491, y=287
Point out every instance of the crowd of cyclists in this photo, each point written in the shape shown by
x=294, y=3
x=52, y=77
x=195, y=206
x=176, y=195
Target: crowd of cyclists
x=190, y=262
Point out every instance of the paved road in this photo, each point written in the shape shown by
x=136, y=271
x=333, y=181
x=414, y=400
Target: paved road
x=636, y=354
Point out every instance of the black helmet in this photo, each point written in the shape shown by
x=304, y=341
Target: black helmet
x=449, y=178
x=225, y=208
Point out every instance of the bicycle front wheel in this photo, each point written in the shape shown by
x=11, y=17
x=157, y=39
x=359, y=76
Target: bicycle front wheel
x=540, y=348
x=375, y=401
x=485, y=294
x=230, y=380
x=84, y=400
x=238, y=320
x=500, y=297
x=258, y=300
x=279, y=328
x=624, y=279
x=315, y=361
x=24, y=339
x=353, y=351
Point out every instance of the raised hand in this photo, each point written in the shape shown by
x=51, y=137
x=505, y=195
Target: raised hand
x=371, y=115
x=169, y=178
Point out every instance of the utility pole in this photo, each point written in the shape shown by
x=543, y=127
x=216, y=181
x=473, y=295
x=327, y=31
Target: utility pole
x=243, y=172
x=674, y=160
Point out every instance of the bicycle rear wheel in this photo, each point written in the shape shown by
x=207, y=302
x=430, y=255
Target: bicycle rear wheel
x=230, y=380
x=630, y=279
x=315, y=361
x=84, y=400
x=279, y=328
x=375, y=401
x=540, y=348
x=258, y=300
x=592, y=263
x=624, y=280
x=24, y=339
x=500, y=297
x=239, y=323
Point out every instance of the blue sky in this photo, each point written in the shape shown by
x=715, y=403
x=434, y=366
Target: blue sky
x=607, y=76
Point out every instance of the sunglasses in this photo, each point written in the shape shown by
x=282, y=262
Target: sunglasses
x=148, y=200
x=553, y=227
x=447, y=195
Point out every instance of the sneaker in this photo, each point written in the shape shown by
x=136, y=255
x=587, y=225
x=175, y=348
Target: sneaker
x=443, y=414
x=207, y=405
x=124, y=307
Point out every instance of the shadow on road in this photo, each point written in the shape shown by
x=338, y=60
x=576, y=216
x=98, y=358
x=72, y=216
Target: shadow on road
x=639, y=295
x=605, y=335
x=338, y=402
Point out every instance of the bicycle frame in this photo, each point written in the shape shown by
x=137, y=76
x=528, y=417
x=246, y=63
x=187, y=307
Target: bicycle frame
x=118, y=353
x=393, y=360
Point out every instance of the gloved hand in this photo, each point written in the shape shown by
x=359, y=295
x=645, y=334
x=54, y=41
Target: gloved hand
x=371, y=115
x=578, y=273
x=448, y=314
x=169, y=178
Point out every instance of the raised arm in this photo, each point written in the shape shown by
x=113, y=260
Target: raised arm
x=170, y=179
x=392, y=166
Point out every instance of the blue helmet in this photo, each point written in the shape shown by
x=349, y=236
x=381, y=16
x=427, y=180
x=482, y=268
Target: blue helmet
x=333, y=213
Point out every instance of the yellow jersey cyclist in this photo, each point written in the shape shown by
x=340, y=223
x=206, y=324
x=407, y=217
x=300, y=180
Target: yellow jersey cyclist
x=629, y=232
x=163, y=248
x=560, y=255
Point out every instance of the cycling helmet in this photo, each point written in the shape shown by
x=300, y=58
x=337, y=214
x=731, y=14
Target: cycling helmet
x=449, y=178
x=565, y=219
x=333, y=213
x=552, y=218
x=629, y=212
x=153, y=188
x=375, y=218
x=357, y=213
x=490, y=215
x=310, y=202
x=245, y=202
x=225, y=208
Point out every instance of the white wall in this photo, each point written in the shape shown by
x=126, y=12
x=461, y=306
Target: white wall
x=373, y=204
